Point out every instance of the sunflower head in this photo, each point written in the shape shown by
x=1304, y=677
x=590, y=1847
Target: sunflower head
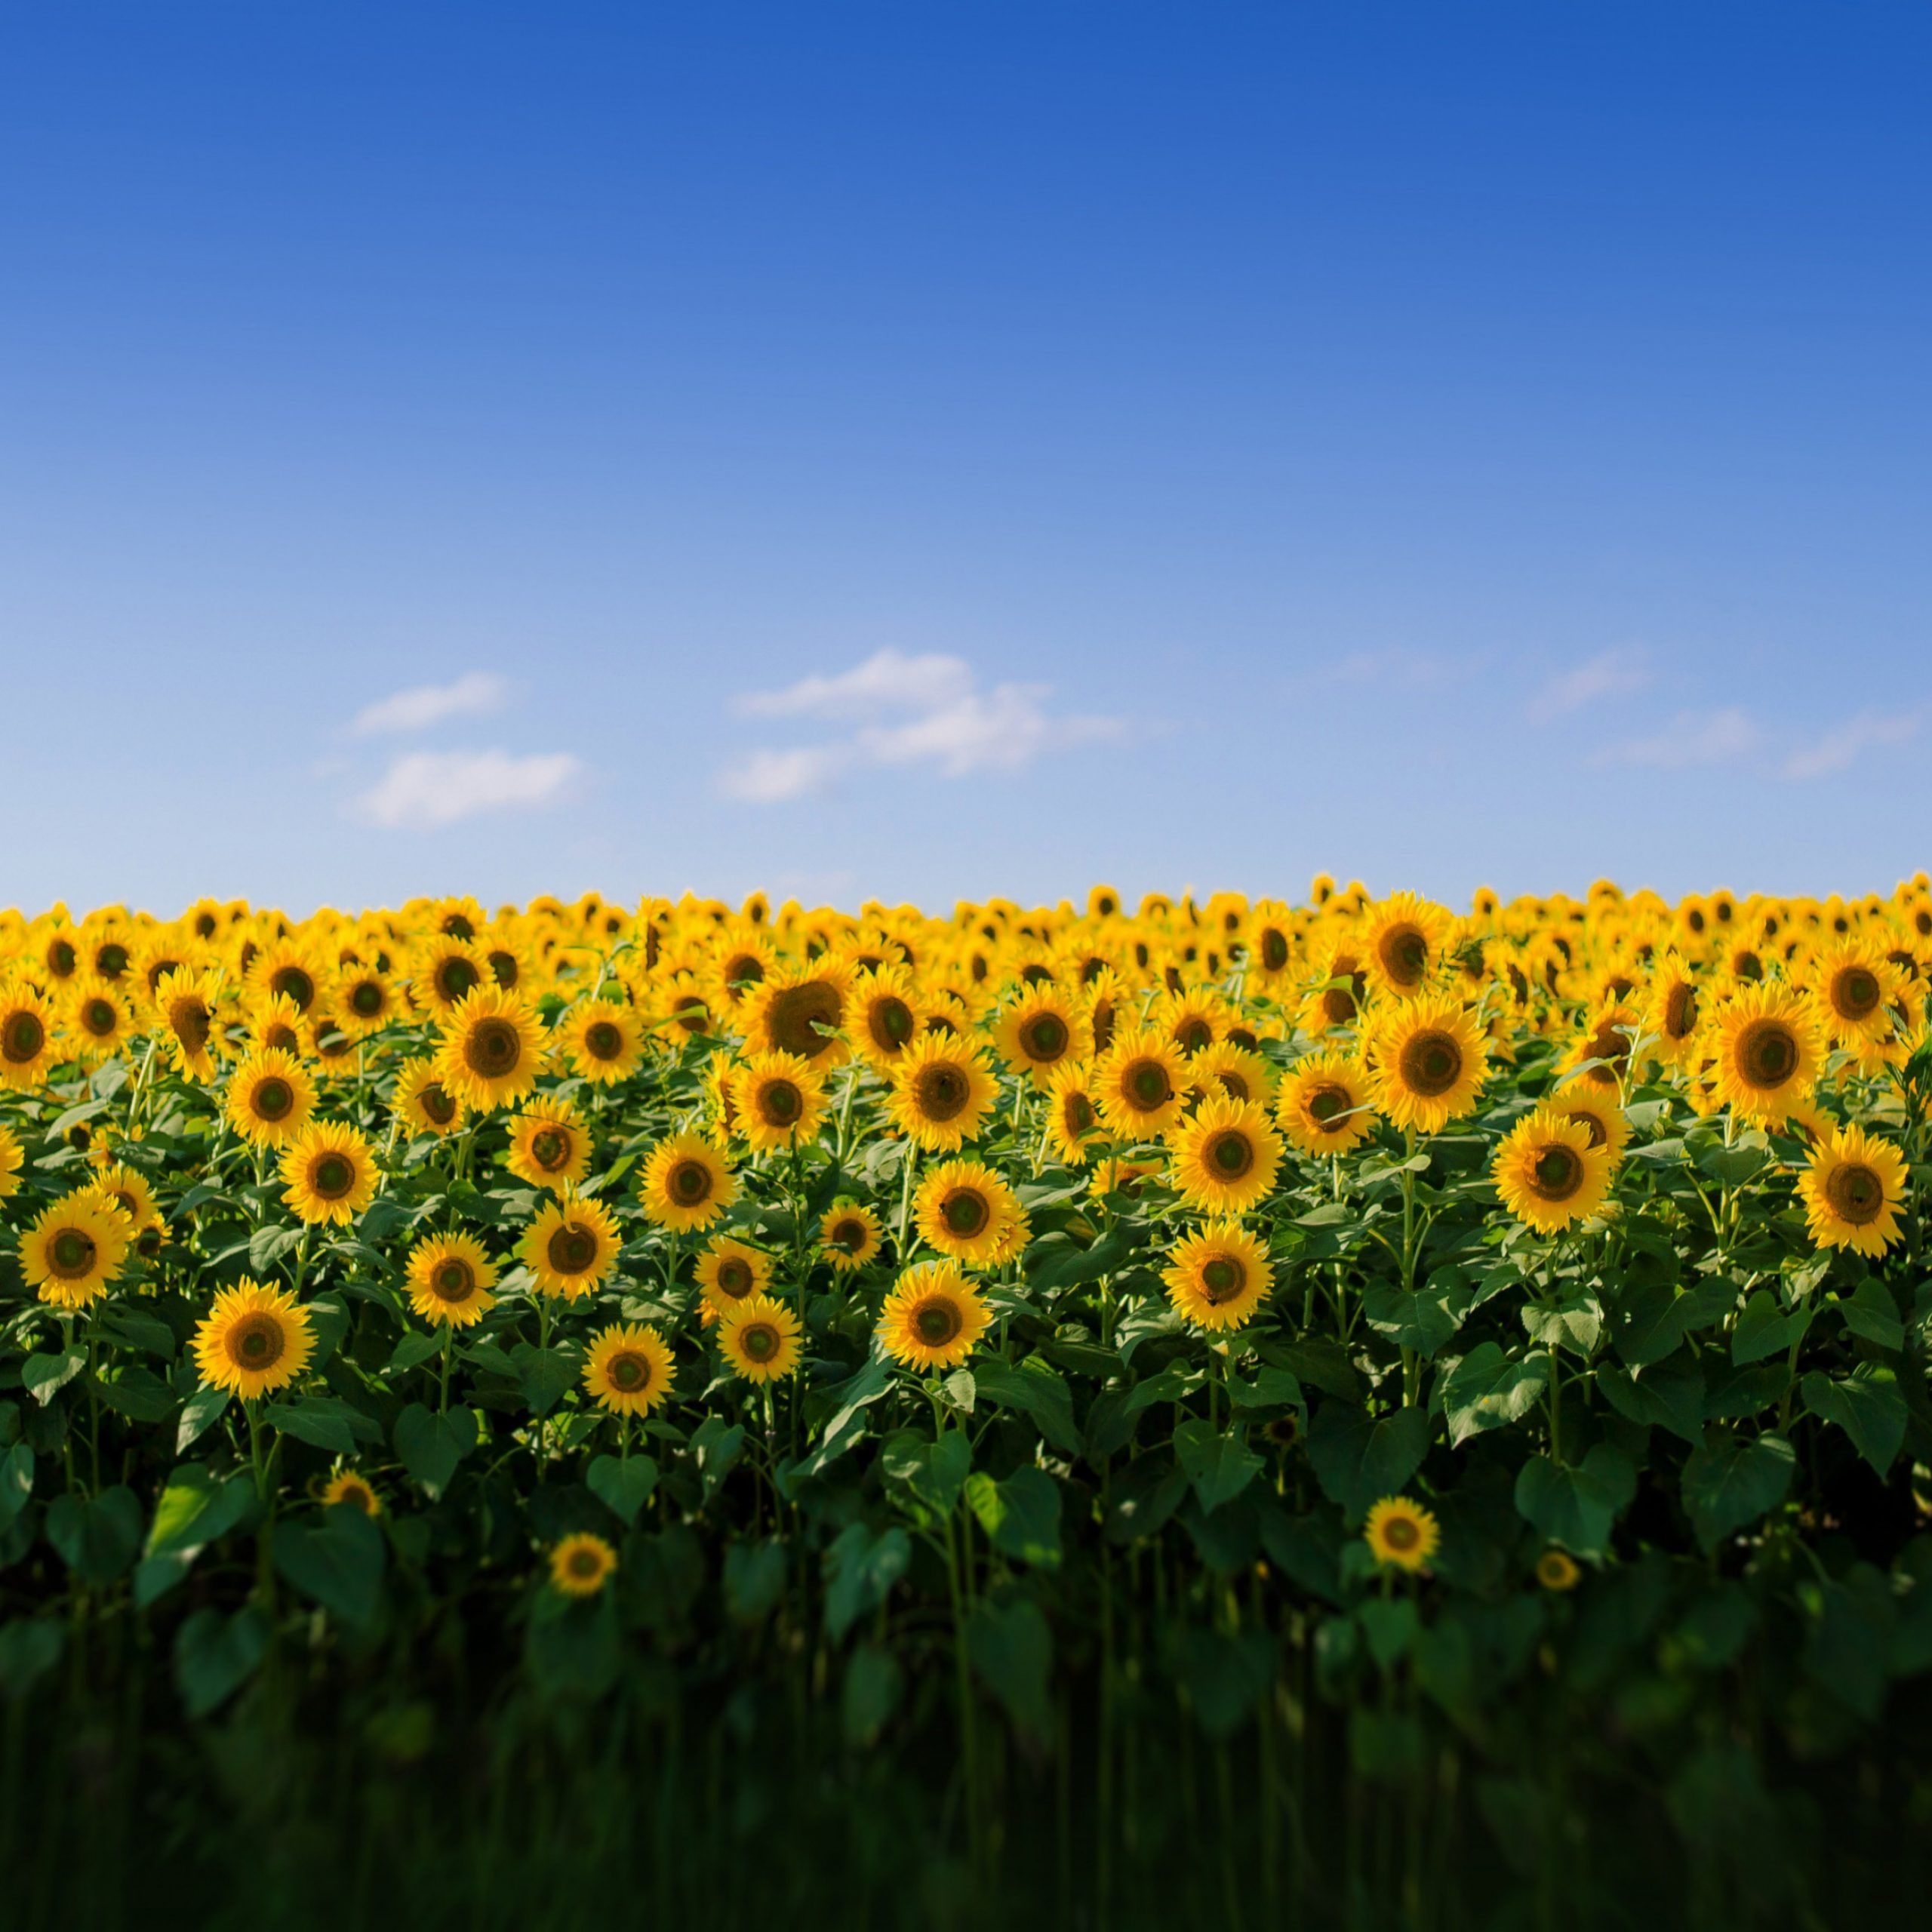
x=1549, y=1174
x=1852, y=1192
x=965, y=1210
x=253, y=1340
x=941, y=1092
x=1430, y=1057
x=1225, y=1155
x=270, y=1097
x=759, y=1338
x=1764, y=1049
x=26, y=1036
x=933, y=1317
x=329, y=1173
x=1401, y=1534
x=345, y=1486
x=687, y=1184
x=1140, y=1084
x=492, y=1048
x=604, y=1040
x=571, y=1246
x=628, y=1369
x=1042, y=1030
x=549, y=1146
x=849, y=1235
x=75, y=1249
x=801, y=1010
x=1323, y=1104
x=1557, y=1570
x=1218, y=1277
x=580, y=1565
x=729, y=1270
x=450, y=1278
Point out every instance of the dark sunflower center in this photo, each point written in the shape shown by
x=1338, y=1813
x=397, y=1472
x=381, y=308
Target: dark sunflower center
x=1192, y=1034
x=275, y=1098
x=1146, y=1084
x=966, y=1214
x=1044, y=1037
x=587, y=1566
x=1599, y=1134
x=1102, y=1019
x=296, y=986
x=1231, y=1154
x=734, y=1277
x=745, y=967
x=257, y=1341
x=550, y=1148
x=455, y=978
x=437, y=1105
x=759, y=1340
x=796, y=1016
x=1856, y=1193
x=71, y=1254
x=493, y=1048
x=781, y=1102
x=332, y=1176
x=690, y=1183
x=1431, y=1064
x=1078, y=1113
x=189, y=1019
x=1274, y=950
x=1855, y=993
x=1559, y=1173
x=850, y=1235
x=1405, y=956
x=892, y=1023
x=1680, y=1011
x=1400, y=1534
x=937, y=1322
x=1767, y=1054
x=62, y=959
x=1223, y=1278
x=628, y=1372
x=283, y=1039
x=453, y=1281
x=572, y=1248
x=504, y=968
x=112, y=960
x=943, y=1093
x=602, y=1041
x=365, y=999
x=1326, y=1104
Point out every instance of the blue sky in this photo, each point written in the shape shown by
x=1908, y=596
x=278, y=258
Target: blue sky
x=927, y=450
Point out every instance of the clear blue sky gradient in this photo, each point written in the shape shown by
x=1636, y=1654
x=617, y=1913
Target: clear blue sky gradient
x=1447, y=444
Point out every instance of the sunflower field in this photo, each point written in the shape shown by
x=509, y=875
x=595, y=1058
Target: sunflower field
x=1347, y=1414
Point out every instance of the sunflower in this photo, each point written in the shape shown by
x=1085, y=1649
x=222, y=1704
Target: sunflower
x=1073, y=1119
x=581, y=1564
x=444, y=972
x=1854, y=990
x=285, y=970
x=759, y=1337
x=729, y=1270
x=26, y=1036
x=364, y=1000
x=603, y=1039
x=628, y=1369
x=492, y=1049
x=548, y=1147
x=1237, y=1072
x=329, y=1175
x=570, y=1246
x=1042, y=1030
x=275, y=1024
x=1225, y=1155
x=778, y=1100
x=127, y=1189
x=98, y=1016
x=1323, y=1105
x=687, y=1184
x=932, y=1318
x=13, y=1157
x=1218, y=1276
x=1429, y=1061
x=1557, y=1570
x=967, y=1211
x=1670, y=1014
x=744, y=959
x=1852, y=1192
x=185, y=999
x=1193, y=1018
x=1401, y=1534
x=886, y=1016
x=345, y=1486
x=1601, y=1052
x=450, y=1278
x=270, y=1097
x=1597, y=1109
x=1549, y=1174
x=801, y=1010
x=1270, y=940
x=1764, y=1050
x=942, y=1091
x=74, y=1249
x=423, y=1103
x=253, y=1340
x=1404, y=939
x=1341, y=985
x=849, y=1235
x=1139, y=1085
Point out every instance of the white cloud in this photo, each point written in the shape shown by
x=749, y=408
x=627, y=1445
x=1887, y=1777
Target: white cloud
x=1842, y=747
x=1691, y=739
x=902, y=712
x=887, y=681
x=475, y=694
x=425, y=790
x=1609, y=674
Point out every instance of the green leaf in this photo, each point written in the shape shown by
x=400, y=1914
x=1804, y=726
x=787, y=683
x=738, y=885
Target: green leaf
x=1729, y=1484
x=196, y=1508
x=1866, y=1406
x=1020, y=1516
x=268, y=1244
x=136, y=1393
x=622, y=1484
x=1224, y=1676
x=1423, y=1319
x=1035, y=1388
x=215, y=1655
x=1872, y=1314
x=30, y=1647
x=1577, y=1506
x=15, y=1483
x=933, y=1468
x=1573, y=1322
x=754, y=1579
x=413, y=1351
x=338, y=1563
x=43, y=1376
x=848, y=1423
x=321, y=1421
x=97, y=1539
x=1012, y=1648
x=861, y=1568
x=715, y=1446
x=1390, y=1624
x=1219, y=1464
x=1487, y=1389
x=1358, y=1460
x=1669, y=1394
x=1766, y=1327
x=199, y=1410
x=430, y=1446
x=137, y=1329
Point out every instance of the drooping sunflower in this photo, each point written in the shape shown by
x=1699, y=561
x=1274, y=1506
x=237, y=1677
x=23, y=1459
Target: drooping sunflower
x=581, y=1564
x=849, y=1235
x=1324, y=1104
x=450, y=1278
x=886, y=1015
x=628, y=1369
x=549, y=1146
x=1852, y=1192
x=570, y=1246
x=253, y=1340
x=75, y=1249
x=778, y=1100
x=1404, y=941
x=13, y=1157
x=1401, y=1534
x=941, y=1092
x=965, y=1210
x=603, y=1039
x=99, y=1020
x=1429, y=1058
x=345, y=1486
x=270, y=1097
x=1672, y=1014
x=759, y=1338
x=1140, y=1084
x=1549, y=1174
x=687, y=1183
x=185, y=999
x=730, y=1271
x=933, y=1317
x=1764, y=1051
x=1073, y=1117
x=1041, y=1031
x=801, y=1010
x=491, y=1050
x=329, y=1173
x=1225, y=1155
x=26, y=1036
x=423, y=1103
x=1219, y=1276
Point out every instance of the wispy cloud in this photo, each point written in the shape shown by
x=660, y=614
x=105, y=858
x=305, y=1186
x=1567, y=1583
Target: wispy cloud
x=1419, y=670
x=424, y=790
x=1691, y=740
x=475, y=694
x=1609, y=674
x=901, y=710
x=1841, y=747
